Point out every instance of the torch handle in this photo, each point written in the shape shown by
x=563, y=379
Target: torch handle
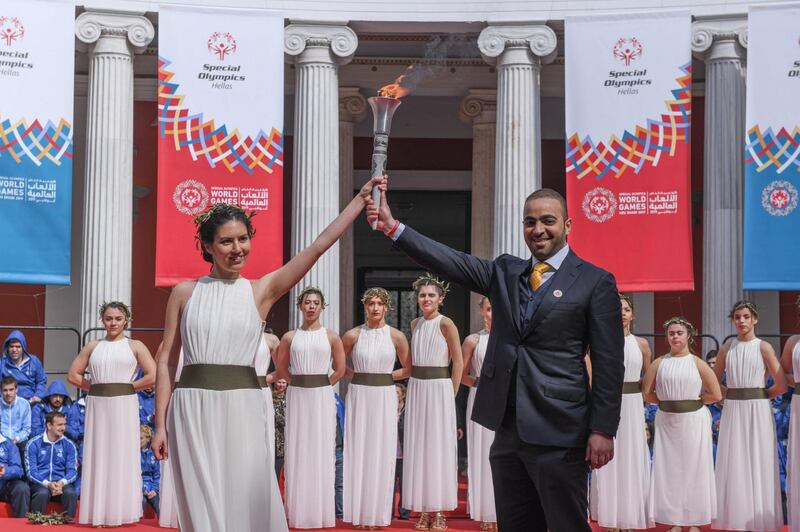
x=380, y=147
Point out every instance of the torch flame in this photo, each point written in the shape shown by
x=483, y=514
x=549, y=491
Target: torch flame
x=396, y=88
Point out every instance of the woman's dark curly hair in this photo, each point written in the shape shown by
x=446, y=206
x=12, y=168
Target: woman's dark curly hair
x=218, y=214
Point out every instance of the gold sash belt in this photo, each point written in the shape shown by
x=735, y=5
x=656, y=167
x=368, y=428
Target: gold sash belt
x=680, y=407
x=111, y=389
x=218, y=377
x=743, y=394
x=310, y=381
x=632, y=387
x=373, y=379
x=430, y=372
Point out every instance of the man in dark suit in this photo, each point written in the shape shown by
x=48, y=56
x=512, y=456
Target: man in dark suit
x=548, y=312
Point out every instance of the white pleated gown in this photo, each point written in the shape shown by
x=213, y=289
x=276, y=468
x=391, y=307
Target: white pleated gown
x=111, y=480
x=682, y=488
x=310, y=444
x=224, y=475
x=263, y=358
x=480, y=493
x=167, y=502
x=747, y=475
x=430, y=453
x=793, y=464
x=621, y=486
x=370, y=433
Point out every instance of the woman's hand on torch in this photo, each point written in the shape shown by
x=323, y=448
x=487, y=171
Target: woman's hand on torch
x=381, y=212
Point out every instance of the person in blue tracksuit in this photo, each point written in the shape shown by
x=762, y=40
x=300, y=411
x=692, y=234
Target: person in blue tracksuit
x=151, y=469
x=15, y=412
x=51, y=461
x=339, y=483
x=13, y=488
x=55, y=399
x=17, y=362
x=147, y=404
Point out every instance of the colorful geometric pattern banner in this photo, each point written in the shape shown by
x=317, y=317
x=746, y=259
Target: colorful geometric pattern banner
x=628, y=120
x=772, y=150
x=37, y=55
x=220, y=129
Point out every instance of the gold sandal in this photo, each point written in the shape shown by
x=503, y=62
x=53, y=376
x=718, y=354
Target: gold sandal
x=439, y=522
x=424, y=522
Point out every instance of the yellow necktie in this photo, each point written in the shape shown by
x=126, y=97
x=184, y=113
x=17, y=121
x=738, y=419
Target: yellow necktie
x=537, y=275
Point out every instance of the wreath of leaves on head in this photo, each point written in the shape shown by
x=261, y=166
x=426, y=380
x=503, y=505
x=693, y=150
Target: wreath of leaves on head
x=119, y=305
x=430, y=279
x=739, y=305
x=680, y=320
x=377, y=291
x=217, y=208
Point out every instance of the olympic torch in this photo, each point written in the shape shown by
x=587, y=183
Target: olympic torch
x=383, y=108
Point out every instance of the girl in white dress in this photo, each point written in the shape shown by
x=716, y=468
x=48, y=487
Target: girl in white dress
x=480, y=493
x=682, y=489
x=430, y=470
x=111, y=480
x=224, y=477
x=370, y=422
x=620, y=487
x=304, y=358
x=266, y=349
x=747, y=474
x=168, y=504
x=790, y=361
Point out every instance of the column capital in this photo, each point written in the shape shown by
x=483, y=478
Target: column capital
x=91, y=25
x=479, y=106
x=717, y=38
x=539, y=38
x=352, y=105
x=336, y=39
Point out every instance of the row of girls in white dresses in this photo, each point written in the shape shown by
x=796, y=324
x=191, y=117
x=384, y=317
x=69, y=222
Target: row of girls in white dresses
x=681, y=486
x=112, y=492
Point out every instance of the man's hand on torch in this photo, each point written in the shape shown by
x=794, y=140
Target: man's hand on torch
x=381, y=213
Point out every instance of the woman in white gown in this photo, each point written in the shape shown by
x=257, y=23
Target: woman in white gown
x=111, y=480
x=370, y=422
x=267, y=348
x=682, y=489
x=790, y=361
x=620, y=488
x=430, y=469
x=224, y=477
x=168, y=505
x=304, y=357
x=480, y=493
x=747, y=474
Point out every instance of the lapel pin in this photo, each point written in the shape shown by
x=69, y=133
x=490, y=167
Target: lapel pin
x=558, y=293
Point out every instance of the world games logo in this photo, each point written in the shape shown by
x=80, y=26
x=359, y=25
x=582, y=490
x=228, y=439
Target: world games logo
x=779, y=198
x=627, y=50
x=599, y=204
x=222, y=44
x=190, y=197
x=11, y=30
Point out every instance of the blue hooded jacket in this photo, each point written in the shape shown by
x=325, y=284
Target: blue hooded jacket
x=151, y=471
x=30, y=375
x=40, y=410
x=9, y=458
x=48, y=461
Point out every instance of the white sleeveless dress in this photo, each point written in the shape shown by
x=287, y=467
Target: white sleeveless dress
x=310, y=444
x=682, y=488
x=793, y=464
x=430, y=452
x=263, y=358
x=167, y=503
x=480, y=493
x=620, y=487
x=224, y=474
x=111, y=479
x=370, y=433
x=748, y=478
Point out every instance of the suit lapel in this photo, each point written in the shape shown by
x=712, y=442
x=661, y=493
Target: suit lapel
x=512, y=288
x=562, y=280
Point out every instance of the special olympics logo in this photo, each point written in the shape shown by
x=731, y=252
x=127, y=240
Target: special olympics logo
x=190, y=197
x=599, y=204
x=779, y=198
x=627, y=50
x=222, y=44
x=11, y=29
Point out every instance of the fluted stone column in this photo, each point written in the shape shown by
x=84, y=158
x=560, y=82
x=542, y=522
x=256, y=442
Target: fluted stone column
x=111, y=40
x=317, y=50
x=518, y=52
x=352, y=109
x=479, y=108
x=721, y=44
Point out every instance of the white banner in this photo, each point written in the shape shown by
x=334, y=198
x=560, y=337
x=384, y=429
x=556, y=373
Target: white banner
x=37, y=50
x=220, y=123
x=772, y=149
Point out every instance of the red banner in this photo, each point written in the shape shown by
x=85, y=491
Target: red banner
x=628, y=155
x=220, y=101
